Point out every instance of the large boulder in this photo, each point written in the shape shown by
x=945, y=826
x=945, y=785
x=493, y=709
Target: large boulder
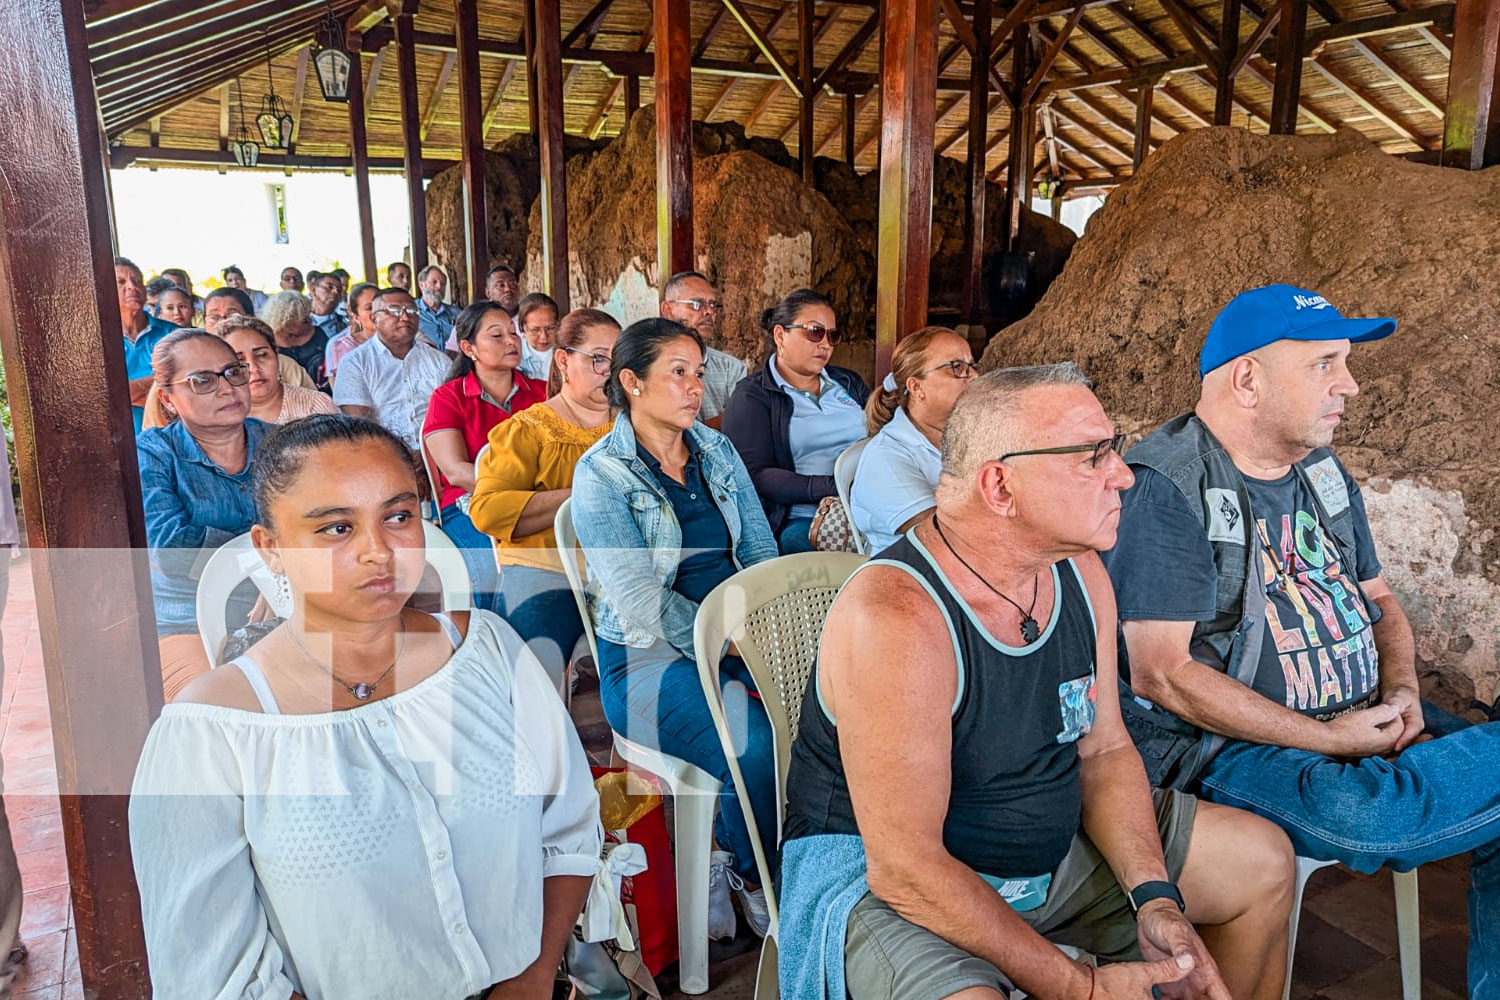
x=759, y=232
x=1216, y=211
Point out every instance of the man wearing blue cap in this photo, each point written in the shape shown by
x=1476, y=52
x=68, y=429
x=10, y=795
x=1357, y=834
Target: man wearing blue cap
x=1271, y=667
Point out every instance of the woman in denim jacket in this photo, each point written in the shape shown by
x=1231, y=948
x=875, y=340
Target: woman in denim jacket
x=665, y=512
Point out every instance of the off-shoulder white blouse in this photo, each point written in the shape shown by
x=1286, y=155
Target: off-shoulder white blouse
x=392, y=850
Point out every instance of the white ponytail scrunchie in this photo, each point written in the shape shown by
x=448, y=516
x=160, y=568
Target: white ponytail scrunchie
x=889, y=385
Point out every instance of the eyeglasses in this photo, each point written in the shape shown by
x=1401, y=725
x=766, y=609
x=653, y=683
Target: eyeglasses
x=205, y=382
x=549, y=328
x=700, y=305
x=1100, y=449
x=815, y=332
x=958, y=368
x=399, y=311
x=598, y=362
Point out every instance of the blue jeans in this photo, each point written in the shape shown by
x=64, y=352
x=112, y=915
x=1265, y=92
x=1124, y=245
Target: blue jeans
x=793, y=537
x=539, y=605
x=1435, y=800
x=654, y=697
x=479, y=556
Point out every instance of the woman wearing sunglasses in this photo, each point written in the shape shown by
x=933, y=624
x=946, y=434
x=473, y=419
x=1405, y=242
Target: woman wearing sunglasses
x=195, y=484
x=526, y=475
x=906, y=415
x=791, y=419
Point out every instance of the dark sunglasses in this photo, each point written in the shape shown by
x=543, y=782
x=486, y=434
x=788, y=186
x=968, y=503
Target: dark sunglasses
x=1100, y=450
x=205, y=382
x=815, y=332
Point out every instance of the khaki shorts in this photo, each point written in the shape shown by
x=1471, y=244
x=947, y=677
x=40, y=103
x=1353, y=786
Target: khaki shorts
x=887, y=957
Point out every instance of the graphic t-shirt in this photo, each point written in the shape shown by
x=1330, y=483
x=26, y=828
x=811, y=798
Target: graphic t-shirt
x=1318, y=654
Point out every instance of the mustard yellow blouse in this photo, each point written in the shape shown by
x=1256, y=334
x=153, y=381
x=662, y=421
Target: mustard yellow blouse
x=532, y=452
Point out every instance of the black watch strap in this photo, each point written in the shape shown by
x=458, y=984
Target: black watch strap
x=1147, y=891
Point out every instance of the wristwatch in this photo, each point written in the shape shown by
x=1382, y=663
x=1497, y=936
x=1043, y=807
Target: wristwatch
x=1147, y=891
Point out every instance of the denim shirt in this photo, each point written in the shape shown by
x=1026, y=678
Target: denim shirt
x=192, y=507
x=633, y=542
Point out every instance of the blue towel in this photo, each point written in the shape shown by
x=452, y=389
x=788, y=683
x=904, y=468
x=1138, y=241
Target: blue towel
x=822, y=878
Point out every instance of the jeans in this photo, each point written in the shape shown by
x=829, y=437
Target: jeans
x=654, y=697
x=479, y=556
x=1435, y=800
x=793, y=537
x=539, y=605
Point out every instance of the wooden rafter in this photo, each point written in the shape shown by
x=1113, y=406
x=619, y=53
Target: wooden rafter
x=1050, y=56
x=1258, y=37
x=859, y=107
x=588, y=27
x=750, y=57
x=711, y=32
x=601, y=113
x=849, y=52
x=1347, y=87
x=299, y=91
x=1396, y=77
x=497, y=99
x=945, y=59
x=1188, y=23
x=763, y=42
x=439, y=88
x=964, y=32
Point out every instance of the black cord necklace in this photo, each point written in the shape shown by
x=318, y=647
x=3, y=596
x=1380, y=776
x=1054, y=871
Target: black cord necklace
x=1030, y=631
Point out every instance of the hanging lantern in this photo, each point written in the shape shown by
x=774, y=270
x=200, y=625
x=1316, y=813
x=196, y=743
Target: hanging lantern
x=332, y=60
x=274, y=121
x=246, y=153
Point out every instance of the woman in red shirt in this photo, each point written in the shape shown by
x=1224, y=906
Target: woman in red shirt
x=483, y=388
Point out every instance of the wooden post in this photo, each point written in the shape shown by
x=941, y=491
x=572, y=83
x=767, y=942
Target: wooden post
x=849, y=100
x=471, y=129
x=632, y=96
x=554, y=197
x=411, y=135
x=1290, y=35
x=1143, y=100
x=805, y=80
x=1471, y=130
x=908, y=101
x=674, y=138
x=80, y=486
x=359, y=155
x=1022, y=132
x=1229, y=40
x=973, y=306
x=528, y=32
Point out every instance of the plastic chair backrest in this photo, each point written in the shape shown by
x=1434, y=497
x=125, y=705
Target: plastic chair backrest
x=236, y=561
x=844, y=468
x=774, y=611
x=571, y=554
x=433, y=485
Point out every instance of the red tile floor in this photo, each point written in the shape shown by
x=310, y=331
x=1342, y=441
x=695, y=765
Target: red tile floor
x=1346, y=950
x=30, y=781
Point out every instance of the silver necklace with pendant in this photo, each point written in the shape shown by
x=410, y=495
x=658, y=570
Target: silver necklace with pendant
x=1030, y=631
x=362, y=691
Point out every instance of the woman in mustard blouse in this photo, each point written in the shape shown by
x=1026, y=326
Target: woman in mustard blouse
x=525, y=475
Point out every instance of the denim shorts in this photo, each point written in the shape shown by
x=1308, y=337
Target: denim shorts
x=887, y=957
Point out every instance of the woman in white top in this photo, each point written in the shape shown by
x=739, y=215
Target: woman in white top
x=896, y=480
x=374, y=802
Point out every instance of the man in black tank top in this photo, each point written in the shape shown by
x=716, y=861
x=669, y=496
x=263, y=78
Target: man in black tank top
x=963, y=790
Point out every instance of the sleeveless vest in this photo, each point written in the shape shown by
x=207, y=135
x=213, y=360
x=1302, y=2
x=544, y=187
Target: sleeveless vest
x=1185, y=452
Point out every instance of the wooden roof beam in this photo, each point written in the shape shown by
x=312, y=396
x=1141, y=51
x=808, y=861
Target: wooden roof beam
x=1034, y=84
x=109, y=55
x=859, y=108
x=601, y=113
x=131, y=106
x=1398, y=78
x=762, y=41
x=964, y=31
x=588, y=27
x=439, y=88
x=851, y=50
x=1192, y=29
x=366, y=16
x=298, y=93
x=497, y=99
x=1384, y=115
x=1096, y=133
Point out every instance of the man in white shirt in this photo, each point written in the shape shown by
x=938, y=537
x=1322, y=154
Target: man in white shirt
x=391, y=376
x=691, y=300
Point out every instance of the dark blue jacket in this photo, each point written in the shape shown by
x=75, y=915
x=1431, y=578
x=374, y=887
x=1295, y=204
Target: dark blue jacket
x=758, y=419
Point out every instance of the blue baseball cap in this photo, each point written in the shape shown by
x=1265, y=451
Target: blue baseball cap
x=1263, y=316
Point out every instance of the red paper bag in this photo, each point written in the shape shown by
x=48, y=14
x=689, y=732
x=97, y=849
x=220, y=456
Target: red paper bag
x=653, y=892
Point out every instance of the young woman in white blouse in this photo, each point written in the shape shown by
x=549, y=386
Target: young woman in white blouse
x=374, y=802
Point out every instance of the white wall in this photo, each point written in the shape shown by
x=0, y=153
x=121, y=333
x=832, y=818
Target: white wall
x=202, y=221
x=1075, y=211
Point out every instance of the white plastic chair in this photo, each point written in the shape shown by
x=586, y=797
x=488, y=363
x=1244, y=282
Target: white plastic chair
x=433, y=485
x=694, y=792
x=1408, y=927
x=844, y=468
x=236, y=561
x=774, y=611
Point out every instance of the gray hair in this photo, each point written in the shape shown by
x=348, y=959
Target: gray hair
x=285, y=309
x=983, y=425
x=674, y=284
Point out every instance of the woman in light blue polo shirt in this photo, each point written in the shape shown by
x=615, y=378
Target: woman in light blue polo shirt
x=898, y=471
x=790, y=420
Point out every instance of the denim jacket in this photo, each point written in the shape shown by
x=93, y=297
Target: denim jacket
x=632, y=541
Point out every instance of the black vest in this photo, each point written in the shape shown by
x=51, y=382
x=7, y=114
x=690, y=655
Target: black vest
x=1014, y=805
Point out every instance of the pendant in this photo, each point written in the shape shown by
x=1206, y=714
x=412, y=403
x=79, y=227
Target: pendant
x=1029, y=630
x=363, y=691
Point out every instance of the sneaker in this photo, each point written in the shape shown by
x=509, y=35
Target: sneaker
x=721, y=921
x=753, y=906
